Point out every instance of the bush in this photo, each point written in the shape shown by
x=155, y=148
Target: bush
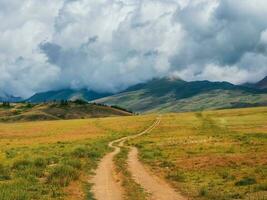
x=80, y=152
x=246, y=181
x=75, y=163
x=40, y=162
x=4, y=173
x=203, y=191
x=21, y=164
x=62, y=175
x=80, y=102
x=94, y=154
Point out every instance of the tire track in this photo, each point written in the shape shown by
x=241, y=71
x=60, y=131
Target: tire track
x=106, y=184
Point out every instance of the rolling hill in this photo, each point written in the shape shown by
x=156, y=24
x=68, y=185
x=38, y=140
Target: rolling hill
x=174, y=95
x=66, y=94
x=57, y=111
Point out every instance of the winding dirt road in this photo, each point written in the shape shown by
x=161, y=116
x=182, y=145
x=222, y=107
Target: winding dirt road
x=107, y=184
x=156, y=187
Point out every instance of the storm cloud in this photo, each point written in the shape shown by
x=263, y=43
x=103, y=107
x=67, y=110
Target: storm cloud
x=108, y=45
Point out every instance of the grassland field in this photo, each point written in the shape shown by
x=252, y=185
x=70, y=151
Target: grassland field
x=54, y=159
x=218, y=155
x=205, y=155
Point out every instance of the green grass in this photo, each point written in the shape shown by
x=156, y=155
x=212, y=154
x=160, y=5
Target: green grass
x=46, y=176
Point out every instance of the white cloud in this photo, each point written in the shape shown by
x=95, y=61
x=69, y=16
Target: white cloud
x=107, y=45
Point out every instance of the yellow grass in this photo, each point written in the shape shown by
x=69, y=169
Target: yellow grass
x=211, y=155
x=47, y=160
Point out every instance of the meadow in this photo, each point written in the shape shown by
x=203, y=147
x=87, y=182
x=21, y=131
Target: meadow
x=218, y=155
x=55, y=159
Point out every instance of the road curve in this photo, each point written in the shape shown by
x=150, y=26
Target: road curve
x=106, y=184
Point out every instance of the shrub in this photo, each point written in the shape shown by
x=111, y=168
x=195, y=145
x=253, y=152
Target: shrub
x=11, y=153
x=21, y=164
x=62, y=175
x=80, y=102
x=80, y=152
x=4, y=173
x=75, y=163
x=40, y=162
x=203, y=191
x=94, y=154
x=246, y=181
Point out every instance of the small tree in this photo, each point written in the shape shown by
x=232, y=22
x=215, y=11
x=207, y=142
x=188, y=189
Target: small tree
x=6, y=104
x=64, y=102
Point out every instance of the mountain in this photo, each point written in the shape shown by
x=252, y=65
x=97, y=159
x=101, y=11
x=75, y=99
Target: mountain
x=66, y=94
x=262, y=84
x=174, y=95
x=57, y=111
x=9, y=98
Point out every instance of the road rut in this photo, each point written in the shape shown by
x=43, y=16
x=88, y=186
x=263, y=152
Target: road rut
x=107, y=184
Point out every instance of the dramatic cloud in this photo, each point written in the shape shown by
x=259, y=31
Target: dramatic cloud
x=108, y=45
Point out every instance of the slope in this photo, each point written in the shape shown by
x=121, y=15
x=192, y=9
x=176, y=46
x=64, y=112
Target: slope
x=56, y=111
x=65, y=94
x=172, y=95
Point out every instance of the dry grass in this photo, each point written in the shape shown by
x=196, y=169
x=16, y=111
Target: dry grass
x=211, y=155
x=52, y=159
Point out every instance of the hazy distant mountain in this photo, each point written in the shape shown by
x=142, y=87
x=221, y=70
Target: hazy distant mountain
x=9, y=98
x=66, y=94
x=173, y=95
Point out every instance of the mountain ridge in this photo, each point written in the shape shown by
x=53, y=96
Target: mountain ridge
x=66, y=94
x=9, y=98
x=166, y=95
x=169, y=95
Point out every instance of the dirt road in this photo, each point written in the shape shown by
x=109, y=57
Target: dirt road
x=107, y=185
x=156, y=187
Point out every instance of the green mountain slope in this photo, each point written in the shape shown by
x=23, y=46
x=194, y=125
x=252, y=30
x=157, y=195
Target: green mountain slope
x=169, y=95
x=65, y=94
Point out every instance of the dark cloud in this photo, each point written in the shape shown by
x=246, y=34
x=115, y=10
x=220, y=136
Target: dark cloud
x=110, y=45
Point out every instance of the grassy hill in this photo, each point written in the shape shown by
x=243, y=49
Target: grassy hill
x=172, y=95
x=56, y=111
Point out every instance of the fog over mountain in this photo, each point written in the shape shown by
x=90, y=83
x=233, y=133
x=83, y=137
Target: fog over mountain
x=108, y=45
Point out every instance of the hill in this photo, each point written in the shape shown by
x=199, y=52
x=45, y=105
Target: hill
x=65, y=94
x=57, y=111
x=173, y=95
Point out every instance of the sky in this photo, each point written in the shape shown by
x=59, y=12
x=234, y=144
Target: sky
x=109, y=45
